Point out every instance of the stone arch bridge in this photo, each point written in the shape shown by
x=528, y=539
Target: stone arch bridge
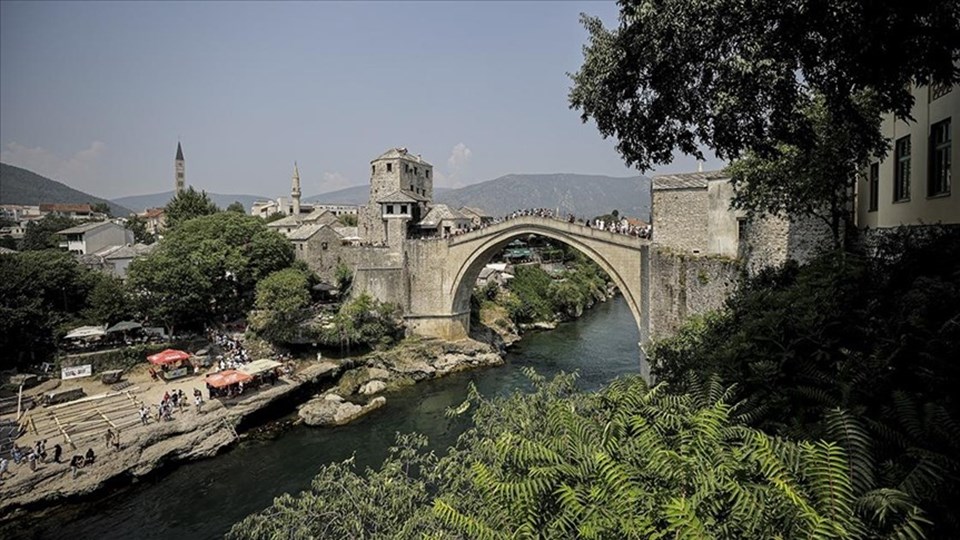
x=440, y=274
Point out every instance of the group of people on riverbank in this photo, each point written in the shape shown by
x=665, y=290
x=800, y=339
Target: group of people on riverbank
x=233, y=354
x=171, y=402
x=34, y=458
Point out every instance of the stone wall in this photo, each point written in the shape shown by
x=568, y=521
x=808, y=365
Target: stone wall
x=772, y=241
x=684, y=284
x=680, y=219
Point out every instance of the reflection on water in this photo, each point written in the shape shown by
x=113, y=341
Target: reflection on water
x=203, y=499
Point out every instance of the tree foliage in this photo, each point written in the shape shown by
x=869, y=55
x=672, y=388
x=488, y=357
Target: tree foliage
x=236, y=206
x=737, y=76
x=186, y=205
x=365, y=322
x=849, y=348
x=795, y=88
x=628, y=462
x=42, y=233
x=40, y=292
x=139, y=227
x=282, y=301
x=207, y=269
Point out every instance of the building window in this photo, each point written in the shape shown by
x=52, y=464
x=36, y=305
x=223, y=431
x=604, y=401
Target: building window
x=937, y=91
x=373, y=169
x=411, y=187
x=403, y=209
x=389, y=209
x=940, y=159
x=901, y=176
x=389, y=167
x=427, y=172
x=874, y=180
x=323, y=246
x=741, y=228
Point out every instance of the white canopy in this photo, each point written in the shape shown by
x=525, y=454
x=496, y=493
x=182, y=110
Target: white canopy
x=85, y=332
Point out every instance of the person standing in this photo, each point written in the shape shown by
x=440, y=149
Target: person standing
x=57, y=451
x=32, y=459
x=144, y=414
x=109, y=438
x=3, y=467
x=198, y=400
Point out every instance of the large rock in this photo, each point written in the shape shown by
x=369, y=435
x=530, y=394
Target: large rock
x=373, y=387
x=326, y=412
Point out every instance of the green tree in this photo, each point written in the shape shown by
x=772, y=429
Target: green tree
x=787, y=85
x=139, y=227
x=42, y=233
x=364, y=321
x=348, y=220
x=236, y=206
x=40, y=291
x=274, y=217
x=848, y=348
x=102, y=208
x=109, y=301
x=187, y=205
x=282, y=301
x=626, y=462
x=207, y=269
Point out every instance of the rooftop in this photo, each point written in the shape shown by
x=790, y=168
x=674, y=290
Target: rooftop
x=304, y=232
x=400, y=196
x=65, y=207
x=401, y=153
x=438, y=213
x=86, y=227
x=694, y=180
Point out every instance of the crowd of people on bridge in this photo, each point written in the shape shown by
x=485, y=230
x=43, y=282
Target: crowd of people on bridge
x=621, y=226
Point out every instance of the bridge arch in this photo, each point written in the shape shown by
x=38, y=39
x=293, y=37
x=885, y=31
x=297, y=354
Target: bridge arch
x=623, y=258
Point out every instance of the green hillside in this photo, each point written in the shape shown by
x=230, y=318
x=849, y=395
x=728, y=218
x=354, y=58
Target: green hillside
x=20, y=186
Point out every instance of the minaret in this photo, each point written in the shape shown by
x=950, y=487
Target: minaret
x=179, y=180
x=295, y=190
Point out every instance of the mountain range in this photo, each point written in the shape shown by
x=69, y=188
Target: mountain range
x=584, y=196
x=20, y=186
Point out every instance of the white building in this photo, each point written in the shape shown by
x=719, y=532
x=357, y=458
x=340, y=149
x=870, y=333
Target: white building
x=94, y=236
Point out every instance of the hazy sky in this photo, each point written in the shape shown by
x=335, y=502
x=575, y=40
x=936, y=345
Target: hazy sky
x=96, y=95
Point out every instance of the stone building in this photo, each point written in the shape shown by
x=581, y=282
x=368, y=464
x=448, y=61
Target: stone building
x=401, y=188
x=442, y=221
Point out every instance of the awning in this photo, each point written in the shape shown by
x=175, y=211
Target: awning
x=85, y=332
x=123, y=326
x=260, y=366
x=169, y=356
x=227, y=377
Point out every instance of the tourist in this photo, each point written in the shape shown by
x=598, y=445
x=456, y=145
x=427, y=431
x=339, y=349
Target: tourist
x=32, y=460
x=90, y=458
x=75, y=463
x=4, y=464
x=198, y=400
x=57, y=451
x=109, y=438
x=17, y=454
x=42, y=450
x=144, y=414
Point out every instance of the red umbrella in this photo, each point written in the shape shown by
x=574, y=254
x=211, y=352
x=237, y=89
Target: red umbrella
x=226, y=378
x=169, y=356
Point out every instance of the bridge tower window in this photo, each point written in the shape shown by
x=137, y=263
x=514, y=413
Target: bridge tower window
x=389, y=167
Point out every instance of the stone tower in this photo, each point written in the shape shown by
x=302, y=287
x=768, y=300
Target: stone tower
x=180, y=178
x=401, y=188
x=295, y=190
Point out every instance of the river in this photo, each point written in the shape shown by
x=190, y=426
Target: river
x=204, y=499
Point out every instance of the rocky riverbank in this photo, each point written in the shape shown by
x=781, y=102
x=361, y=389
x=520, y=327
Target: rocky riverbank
x=191, y=435
x=412, y=361
x=145, y=449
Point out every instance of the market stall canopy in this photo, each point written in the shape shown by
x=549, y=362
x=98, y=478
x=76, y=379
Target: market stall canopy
x=123, y=326
x=169, y=356
x=227, y=377
x=260, y=366
x=85, y=332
